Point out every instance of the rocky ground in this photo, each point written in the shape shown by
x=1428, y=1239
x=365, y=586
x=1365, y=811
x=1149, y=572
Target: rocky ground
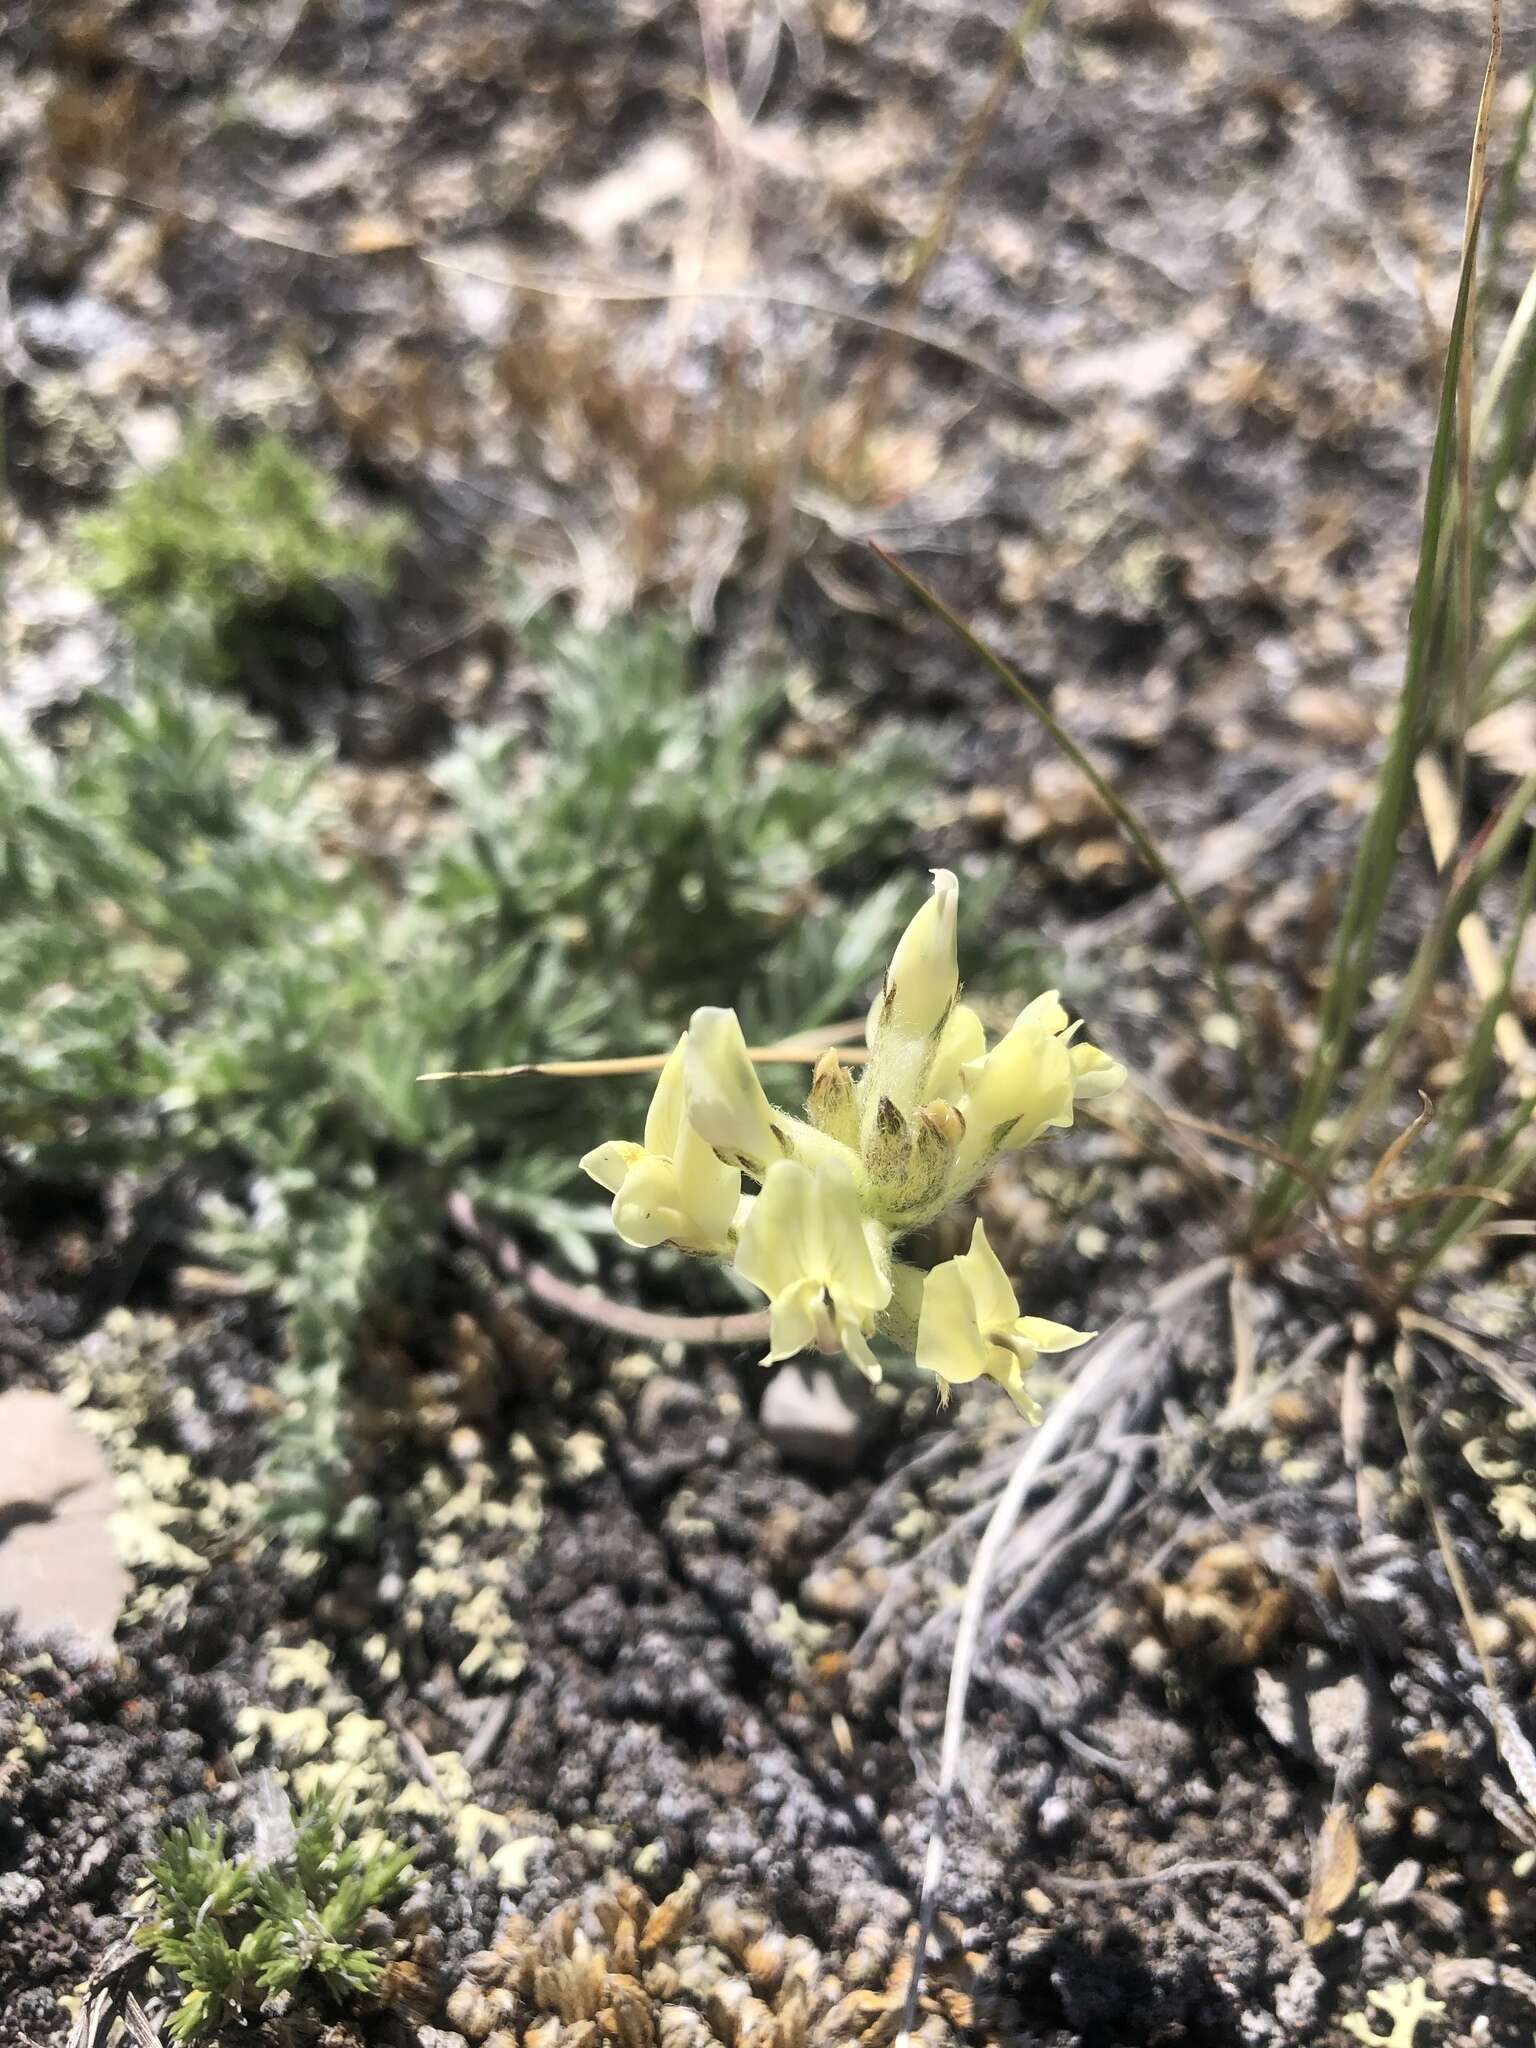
x=614, y=295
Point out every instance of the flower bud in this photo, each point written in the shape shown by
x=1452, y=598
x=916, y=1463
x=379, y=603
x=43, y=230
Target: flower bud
x=888, y=1148
x=831, y=1105
x=945, y=1121
x=923, y=978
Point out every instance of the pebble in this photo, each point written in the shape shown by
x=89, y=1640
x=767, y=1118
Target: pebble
x=807, y=1416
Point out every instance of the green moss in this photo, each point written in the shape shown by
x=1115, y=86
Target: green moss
x=223, y=545
x=238, y=1934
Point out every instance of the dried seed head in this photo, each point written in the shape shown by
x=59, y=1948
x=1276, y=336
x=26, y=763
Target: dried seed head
x=682, y=2027
x=728, y=2005
x=627, y=2014
x=486, y=1966
x=661, y=1980
x=623, y=1949
x=670, y=1921
x=469, y=2009
x=764, y=1963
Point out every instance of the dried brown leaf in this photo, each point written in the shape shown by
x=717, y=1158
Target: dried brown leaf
x=1335, y=1873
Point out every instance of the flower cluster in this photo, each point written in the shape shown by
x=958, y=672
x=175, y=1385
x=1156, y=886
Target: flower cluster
x=871, y=1160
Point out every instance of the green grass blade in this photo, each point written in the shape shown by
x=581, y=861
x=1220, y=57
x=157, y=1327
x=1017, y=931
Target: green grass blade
x=1504, y=1170
x=1459, y=900
x=1376, y=861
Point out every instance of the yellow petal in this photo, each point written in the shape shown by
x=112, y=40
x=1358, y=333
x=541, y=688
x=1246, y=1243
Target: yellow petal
x=774, y=1251
x=708, y=1190
x=1022, y=1087
x=791, y=1322
x=856, y=1346
x=950, y=1344
x=846, y=1260
x=991, y=1290
x=664, y=1118
x=608, y=1164
x=961, y=1041
x=1048, y=1336
x=647, y=1210
x=724, y=1098
x=1045, y=1013
x=1094, y=1073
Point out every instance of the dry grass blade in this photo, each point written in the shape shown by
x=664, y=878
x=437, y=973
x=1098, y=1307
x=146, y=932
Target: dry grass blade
x=274, y=232
x=1476, y=185
x=1507, y=204
x=788, y=1052
x=927, y=250
x=1382, y=1170
x=1135, y=831
x=1335, y=1873
x=1478, y=950
x=1113, y=1357
x=1466, y=887
x=1510, y=1385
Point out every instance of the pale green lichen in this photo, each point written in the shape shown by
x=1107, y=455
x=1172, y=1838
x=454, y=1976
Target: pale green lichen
x=1405, y=2005
x=477, y=1581
x=173, y=1521
x=322, y=1745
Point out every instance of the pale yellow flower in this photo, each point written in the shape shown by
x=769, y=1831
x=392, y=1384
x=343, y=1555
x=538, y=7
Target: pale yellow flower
x=1022, y=1087
x=807, y=1244
x=671, y=1189
x=726, y=1105
x=969, y=1326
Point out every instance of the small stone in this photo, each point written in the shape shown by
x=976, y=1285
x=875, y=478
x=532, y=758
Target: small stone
x=1336, y=1715
x=1149, y=1656
x=1291, y=1412
x=1381, y=1812
x=807, y=1417
x=1399, y=1884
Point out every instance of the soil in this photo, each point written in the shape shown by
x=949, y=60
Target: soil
x=1162, y=439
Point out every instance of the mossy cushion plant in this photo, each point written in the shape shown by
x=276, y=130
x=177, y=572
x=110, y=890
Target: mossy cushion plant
x=233, y=553
x=237, y=1934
